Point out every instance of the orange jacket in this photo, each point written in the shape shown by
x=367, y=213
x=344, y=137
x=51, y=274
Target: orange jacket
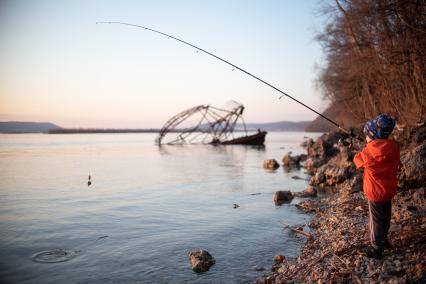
x=380, y=160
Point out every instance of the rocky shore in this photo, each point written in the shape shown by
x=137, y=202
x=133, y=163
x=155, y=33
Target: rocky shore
x=338, y=232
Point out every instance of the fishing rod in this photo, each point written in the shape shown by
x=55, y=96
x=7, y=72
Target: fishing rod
x=233, y=65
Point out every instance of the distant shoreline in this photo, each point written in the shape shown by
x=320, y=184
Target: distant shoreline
x=98, y=130
x=15, y=127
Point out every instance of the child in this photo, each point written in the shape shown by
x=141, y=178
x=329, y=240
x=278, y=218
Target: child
x=380, y=161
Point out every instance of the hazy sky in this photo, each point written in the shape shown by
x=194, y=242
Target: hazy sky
x=58, y=65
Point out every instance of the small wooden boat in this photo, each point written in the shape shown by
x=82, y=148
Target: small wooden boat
x=255, y=139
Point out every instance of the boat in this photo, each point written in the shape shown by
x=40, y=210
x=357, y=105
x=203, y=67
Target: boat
x=254, y=139
x=206, y=124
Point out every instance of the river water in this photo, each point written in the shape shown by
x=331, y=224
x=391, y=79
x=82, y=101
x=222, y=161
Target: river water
x=146, y=208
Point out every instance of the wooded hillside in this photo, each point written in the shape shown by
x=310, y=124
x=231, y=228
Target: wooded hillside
x=375, y=58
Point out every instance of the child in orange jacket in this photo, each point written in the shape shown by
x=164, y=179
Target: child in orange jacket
x=380, y=161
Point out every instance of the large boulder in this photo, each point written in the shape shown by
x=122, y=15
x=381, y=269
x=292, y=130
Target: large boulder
x=338, y=169
x=323, y=149
x=283, y=196
x=201, y=260
x=335, y=175
x=271, y=164
x=351, y=185
x=413, y=165
x=329, y=175
x=412, y=142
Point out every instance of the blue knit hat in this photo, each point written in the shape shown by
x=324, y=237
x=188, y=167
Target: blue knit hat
x=379, y=127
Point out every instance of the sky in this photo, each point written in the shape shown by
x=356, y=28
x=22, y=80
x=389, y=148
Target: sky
x=58, y=65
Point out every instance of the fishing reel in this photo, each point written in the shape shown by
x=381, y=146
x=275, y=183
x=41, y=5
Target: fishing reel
x=351, y=135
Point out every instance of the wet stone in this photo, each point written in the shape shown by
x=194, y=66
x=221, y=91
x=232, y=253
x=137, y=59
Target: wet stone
x=270, y=164
x=279, y=258
x=201, y=260
x=282, y=197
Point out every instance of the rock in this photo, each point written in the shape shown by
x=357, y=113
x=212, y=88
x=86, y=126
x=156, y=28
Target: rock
x=356, y=183
x=337, y=170
x=409, y=136
x=306, y=206
x=326, y=148
x=302, y=157
x=419, y=196
x=271, y=164
x=201, y=260
x=290, y=161
x=318, y=178
x=310, y=191
x=279, y=258
x=282, y=196
x=412, y=173
x=323, y=146
x=335, y=175
x=298, y=178
x=311, y=165
x=287, y=161
x=397, y=263
x=418, y=270
x=307, y=143
x=236, y=206
x=395, y=228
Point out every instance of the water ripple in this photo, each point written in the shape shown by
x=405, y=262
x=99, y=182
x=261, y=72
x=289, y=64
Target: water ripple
x=53, y=256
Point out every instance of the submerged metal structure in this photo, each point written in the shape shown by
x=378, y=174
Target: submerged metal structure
x=205, y=124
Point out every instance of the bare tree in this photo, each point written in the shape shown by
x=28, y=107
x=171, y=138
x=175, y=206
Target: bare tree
x=376, y=58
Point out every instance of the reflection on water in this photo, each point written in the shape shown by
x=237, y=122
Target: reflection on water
x=146, y=208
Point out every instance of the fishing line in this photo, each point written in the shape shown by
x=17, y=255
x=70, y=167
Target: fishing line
x=233, y=65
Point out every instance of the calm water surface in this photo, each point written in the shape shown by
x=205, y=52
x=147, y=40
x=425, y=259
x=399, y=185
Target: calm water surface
x=153, y=204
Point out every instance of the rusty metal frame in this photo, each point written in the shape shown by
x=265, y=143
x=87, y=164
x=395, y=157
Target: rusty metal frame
x=215, y=126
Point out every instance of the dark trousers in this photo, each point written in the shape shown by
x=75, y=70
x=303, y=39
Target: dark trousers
x=379, y=221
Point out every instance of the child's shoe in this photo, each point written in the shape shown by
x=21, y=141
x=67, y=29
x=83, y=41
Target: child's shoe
x=386, y=244
x=373, y=252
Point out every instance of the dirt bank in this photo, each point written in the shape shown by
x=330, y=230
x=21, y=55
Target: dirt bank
x=339, y=229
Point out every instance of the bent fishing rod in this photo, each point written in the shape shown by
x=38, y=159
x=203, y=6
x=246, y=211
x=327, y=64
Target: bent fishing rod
x=233, y=65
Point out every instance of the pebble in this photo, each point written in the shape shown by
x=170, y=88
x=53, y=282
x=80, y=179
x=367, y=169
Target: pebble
x=397, y=263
